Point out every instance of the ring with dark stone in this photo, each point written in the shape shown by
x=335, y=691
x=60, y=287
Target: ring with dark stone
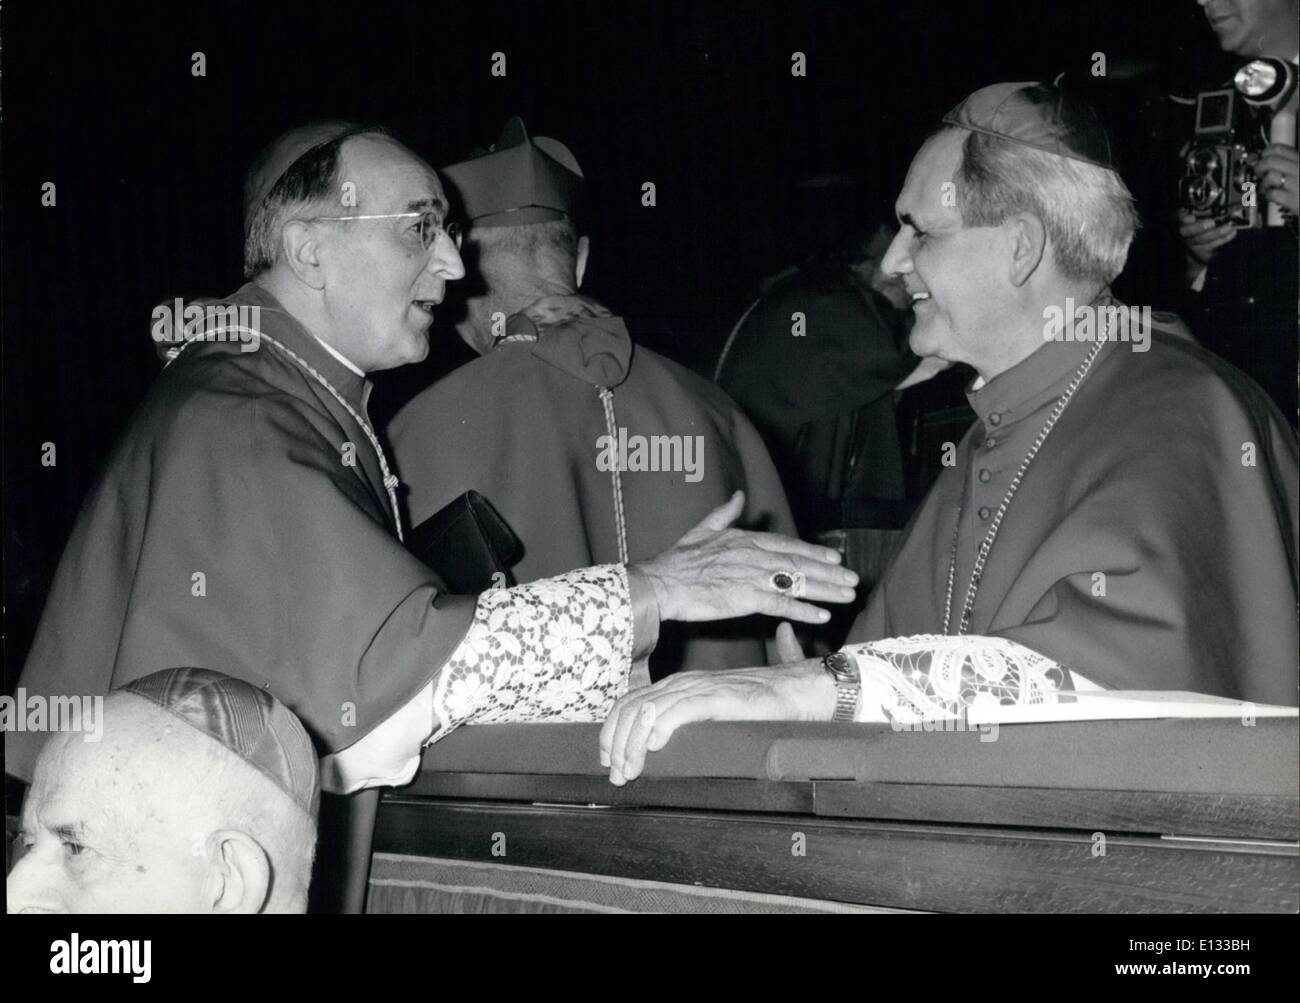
x=792, y=583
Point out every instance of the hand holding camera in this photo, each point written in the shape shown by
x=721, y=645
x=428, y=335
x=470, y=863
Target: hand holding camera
x=1240, y=169
x=1203, y=237
x=1278, y=169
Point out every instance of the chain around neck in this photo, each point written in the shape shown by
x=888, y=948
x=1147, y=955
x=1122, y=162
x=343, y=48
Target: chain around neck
x=390, y=479
x=986, y=545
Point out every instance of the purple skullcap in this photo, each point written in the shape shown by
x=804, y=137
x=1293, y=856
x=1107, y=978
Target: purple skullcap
x=248, y=721
x=1039, y=115
x=272, y=163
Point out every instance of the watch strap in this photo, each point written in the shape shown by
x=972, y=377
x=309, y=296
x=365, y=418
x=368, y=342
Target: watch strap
x=843, y=669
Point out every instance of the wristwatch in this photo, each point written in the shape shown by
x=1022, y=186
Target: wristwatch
x=843, y=668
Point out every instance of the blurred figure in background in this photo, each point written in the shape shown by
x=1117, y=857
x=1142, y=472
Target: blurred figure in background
x=819, y=361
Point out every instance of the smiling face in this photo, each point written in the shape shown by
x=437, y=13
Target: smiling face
x=955, y=275
x=1254, y=27
x=380, y=283
x=110, y=826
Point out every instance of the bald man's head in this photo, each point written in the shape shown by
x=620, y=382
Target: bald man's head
x=168, y=812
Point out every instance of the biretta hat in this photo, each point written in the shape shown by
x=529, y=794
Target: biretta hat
x=248, y=721
x=519, y=180
x=1043, y=116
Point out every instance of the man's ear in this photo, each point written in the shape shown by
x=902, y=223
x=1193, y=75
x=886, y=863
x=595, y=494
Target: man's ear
x=301, y=249
x=580, y=269
x=239, y=876
x=1027, y=238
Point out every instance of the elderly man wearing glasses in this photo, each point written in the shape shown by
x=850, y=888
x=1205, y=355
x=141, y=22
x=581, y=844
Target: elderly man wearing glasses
x=248, y=521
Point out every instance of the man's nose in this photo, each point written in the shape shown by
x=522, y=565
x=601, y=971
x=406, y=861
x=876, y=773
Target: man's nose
x=897, y=260
x=445, y=260
x=32, y=887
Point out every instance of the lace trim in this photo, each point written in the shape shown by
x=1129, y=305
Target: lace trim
x=930, y=677
x=554, y=650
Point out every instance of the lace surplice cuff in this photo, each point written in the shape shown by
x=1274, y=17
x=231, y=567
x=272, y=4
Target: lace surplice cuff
x=935, y=677
x=553, y=650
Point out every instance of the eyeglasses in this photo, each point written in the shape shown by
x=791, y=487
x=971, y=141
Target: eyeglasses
x=428, y=227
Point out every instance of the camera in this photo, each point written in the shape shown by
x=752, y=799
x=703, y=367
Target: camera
x=1232, y=127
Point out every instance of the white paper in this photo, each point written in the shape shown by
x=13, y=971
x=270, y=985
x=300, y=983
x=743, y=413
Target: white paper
x=1126, y=705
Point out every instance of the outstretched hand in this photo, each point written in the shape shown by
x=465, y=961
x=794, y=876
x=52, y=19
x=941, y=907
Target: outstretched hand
x=715, y=572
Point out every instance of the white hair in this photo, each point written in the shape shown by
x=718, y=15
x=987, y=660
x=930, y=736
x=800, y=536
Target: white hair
x=557, y=238
x=545, y=254
x=1088, y=211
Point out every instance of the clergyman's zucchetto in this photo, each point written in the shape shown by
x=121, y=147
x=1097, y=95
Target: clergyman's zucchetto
x=1044, y=116
x=248, y=721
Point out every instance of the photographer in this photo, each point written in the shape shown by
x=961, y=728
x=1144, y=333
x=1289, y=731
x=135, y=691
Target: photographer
x=1242, y=286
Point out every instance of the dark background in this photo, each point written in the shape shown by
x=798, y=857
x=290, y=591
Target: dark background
x=696, y=97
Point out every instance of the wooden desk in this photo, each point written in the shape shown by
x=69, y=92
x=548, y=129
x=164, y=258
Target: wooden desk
x=1182, y=816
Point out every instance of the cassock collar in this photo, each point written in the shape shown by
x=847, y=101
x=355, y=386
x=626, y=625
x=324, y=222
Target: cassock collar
x=287, y=329
x=1026, y=386
x=339, y=356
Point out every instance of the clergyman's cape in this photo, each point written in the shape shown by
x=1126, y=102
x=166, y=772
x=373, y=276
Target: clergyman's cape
x=231, y=532
x=1151, y=544
x=523, y=425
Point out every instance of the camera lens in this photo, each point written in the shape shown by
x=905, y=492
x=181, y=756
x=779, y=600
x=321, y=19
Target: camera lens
x=1204, y=161
x=1198, y=193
